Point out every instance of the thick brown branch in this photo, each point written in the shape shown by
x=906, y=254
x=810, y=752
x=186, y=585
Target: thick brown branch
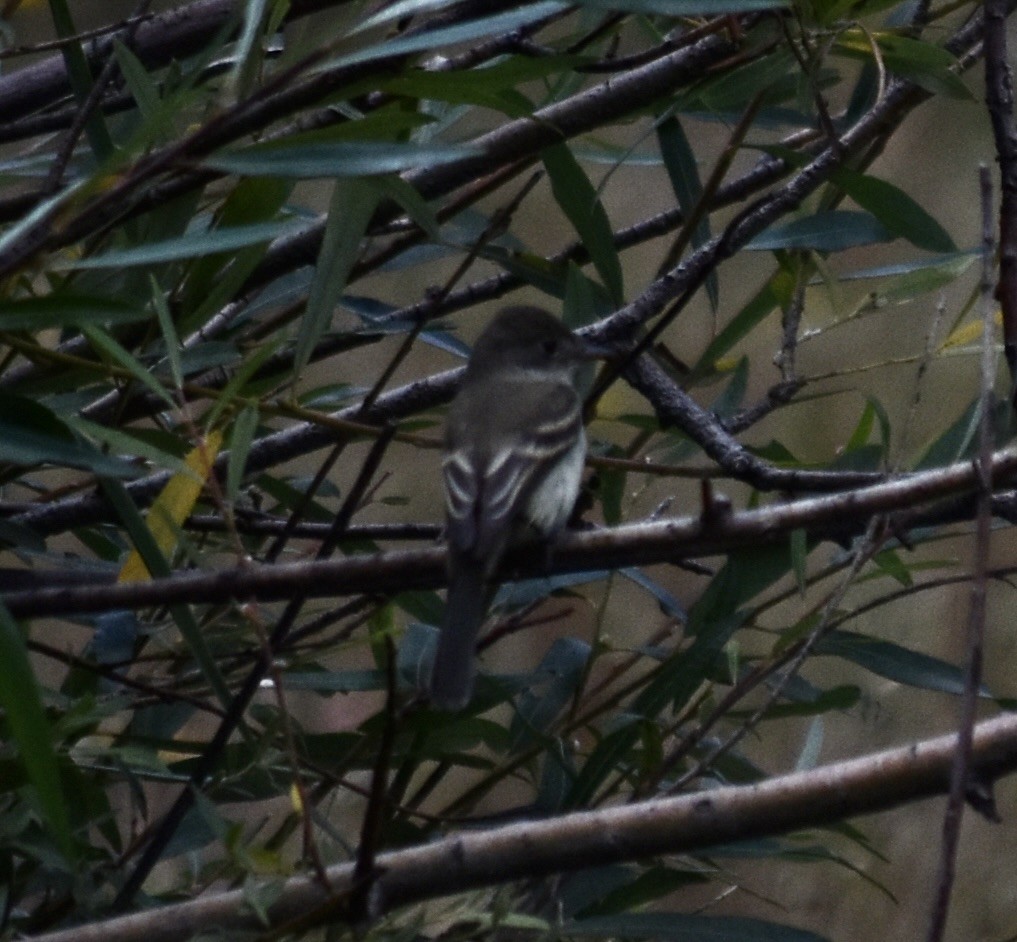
x=469, y=861
x=999, y=99
x=838, y=516
x=160, y=39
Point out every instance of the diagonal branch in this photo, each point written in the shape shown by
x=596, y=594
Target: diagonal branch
x=568, y=843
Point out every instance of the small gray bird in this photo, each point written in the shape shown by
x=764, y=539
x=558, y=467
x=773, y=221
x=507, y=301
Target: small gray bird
x=514, y=452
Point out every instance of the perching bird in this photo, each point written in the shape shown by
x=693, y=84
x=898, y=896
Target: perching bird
x=514, y=452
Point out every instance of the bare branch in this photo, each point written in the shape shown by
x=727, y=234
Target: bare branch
x=471, y=860
x=838, y=516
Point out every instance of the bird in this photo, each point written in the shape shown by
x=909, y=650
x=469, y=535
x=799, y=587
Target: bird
x=513, y=460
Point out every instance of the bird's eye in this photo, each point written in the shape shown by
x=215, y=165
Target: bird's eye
x=550, y=347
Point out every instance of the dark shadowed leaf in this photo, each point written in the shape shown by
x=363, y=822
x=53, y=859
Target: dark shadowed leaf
x=22, y=702
x=66, y=310
x=683, y=172
x=339, y=159
x=192, y=245
x=760, y=306
x=352, y=204
x=895, y=662
x=925, y=63
x=830, y=231
x=552, y=686
x=31, y=434
x=462, y=32
x=901, y=215
x=579, y=201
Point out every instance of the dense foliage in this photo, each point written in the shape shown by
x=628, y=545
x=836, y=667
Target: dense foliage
x=244, y=248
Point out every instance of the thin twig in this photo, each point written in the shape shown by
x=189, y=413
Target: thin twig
x=960, y=776
x=206, y=763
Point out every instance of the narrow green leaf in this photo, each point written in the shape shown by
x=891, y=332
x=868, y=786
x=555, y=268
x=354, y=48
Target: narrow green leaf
x=191, y=245
x=386, y=124
x=579, y=201
x=957, y=441
x=884, y=422
x=463, y=32
x=895, y=567
x=353, y=203
x=22, y=703
x=399, y=10
x=808, y=758
x=415, y=205
x=244, y=427
x=732, y=396
x=860, y=436
x=32, y=434
x=648, y=885
x=838, y=699
x=745, y=574
x=104, y=343
x=43, y=211
x=897, y=211
x=924, y=63
x=713, y=620
x=532, y=268
x=610, y=486
x=211, y=280
x=139, y=82
x=831, y=231
x=668, y=603
x=80, y=76
x=552, y=687
x=66, y=310
x=241, y=375
x=894, y=662
x=556, y=776
x=733, y=89
x=777, y=452
x=248, y=60
x=128, y=444
x=951, y=266
x=336, y=159
x=606, y=758
x=759, y=307
x=683, y=172
x=495, y=86
x=169, y=332
x=585, y=300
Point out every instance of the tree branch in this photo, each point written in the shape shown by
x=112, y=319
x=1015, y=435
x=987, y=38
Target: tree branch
x=838, y=516
x=160, y=39
x=472, y=860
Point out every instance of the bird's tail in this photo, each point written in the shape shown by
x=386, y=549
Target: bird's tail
x=453, y=672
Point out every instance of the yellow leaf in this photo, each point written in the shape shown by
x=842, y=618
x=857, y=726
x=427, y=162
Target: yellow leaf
x=969, y=333
x=726, y=364
x=173, y=505
x=11, y=7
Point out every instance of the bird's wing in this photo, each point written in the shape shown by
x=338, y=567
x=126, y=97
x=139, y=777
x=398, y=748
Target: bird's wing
x=490, y=474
